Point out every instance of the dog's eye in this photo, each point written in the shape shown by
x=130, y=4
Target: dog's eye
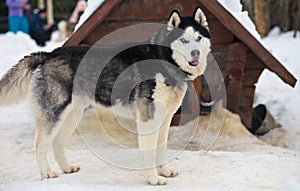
x=183, y=40
x=198, y=38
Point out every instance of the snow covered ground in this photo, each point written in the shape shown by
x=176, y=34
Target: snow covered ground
x=255, y=167
x=282, y=100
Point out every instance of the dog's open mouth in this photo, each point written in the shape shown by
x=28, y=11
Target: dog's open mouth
x=194, y=61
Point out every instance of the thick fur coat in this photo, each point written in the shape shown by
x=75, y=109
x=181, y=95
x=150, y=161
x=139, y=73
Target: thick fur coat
x=144, y=81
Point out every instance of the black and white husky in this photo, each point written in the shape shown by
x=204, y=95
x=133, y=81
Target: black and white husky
x=60, y=85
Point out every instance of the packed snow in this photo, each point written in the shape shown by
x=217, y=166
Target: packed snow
x=254, y=166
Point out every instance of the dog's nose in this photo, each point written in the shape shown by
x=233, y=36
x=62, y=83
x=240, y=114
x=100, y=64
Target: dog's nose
x=195, y=53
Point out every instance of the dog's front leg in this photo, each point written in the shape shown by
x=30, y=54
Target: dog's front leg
x=147, y=146
x=148, y=130
x=165, y=169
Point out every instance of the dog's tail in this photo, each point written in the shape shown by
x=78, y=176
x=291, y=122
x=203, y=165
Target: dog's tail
x=14, y=84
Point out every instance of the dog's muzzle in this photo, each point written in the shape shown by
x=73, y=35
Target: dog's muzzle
x=195, y=58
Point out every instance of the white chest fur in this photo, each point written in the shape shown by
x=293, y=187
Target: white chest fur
x=170, y=97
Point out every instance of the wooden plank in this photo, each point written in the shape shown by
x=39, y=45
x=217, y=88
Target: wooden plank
x=220, y=58
x=197, y=86
x=235, y=70
x=194, y=101
x=220, y=47
x=253, y=62
x=92, y=22
x=212, y=77
x=210, y=16
x=153, y=10
x=240, y=32
x=108, y=33
x=246, y=115
x=236, y=61
x=219, y=33
x=248, y=91
x=237, y=52
x=205, y=94
x=234, y=90
x=251, y=77
x=246, y=101
x=182, y=119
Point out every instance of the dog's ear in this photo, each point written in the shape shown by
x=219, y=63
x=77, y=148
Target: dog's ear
x=200, y=17
x=174, y=20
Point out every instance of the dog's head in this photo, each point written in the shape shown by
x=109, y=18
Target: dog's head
x=191, y=45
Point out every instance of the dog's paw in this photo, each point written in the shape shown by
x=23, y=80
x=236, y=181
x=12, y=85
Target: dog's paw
x=157, y=180
x=167, y=171
x=71, y=169
x=49, y=174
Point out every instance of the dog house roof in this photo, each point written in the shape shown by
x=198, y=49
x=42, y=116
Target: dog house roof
x=231, y=23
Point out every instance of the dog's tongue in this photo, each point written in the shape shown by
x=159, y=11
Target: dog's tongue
x=194, y=62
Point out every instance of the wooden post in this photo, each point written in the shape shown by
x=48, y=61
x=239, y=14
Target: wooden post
x=50, y=16
x=235, y=70
x=41, y=5
x=261, y=17
x=194, y=103
x=296, y=17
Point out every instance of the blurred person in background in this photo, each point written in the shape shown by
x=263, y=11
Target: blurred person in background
x=79, y=9
x=40, y=30
x=17, y=18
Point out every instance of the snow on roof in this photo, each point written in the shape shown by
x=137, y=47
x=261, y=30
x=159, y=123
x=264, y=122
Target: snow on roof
x=92, y=5
x=236, y=9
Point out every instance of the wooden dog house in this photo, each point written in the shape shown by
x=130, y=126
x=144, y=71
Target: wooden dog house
x=239, y=55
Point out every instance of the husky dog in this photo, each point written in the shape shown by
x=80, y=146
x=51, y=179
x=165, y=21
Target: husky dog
x=59, y=87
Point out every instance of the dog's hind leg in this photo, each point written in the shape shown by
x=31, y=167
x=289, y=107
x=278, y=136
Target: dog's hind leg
x=43, y=138
x=70, y=119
